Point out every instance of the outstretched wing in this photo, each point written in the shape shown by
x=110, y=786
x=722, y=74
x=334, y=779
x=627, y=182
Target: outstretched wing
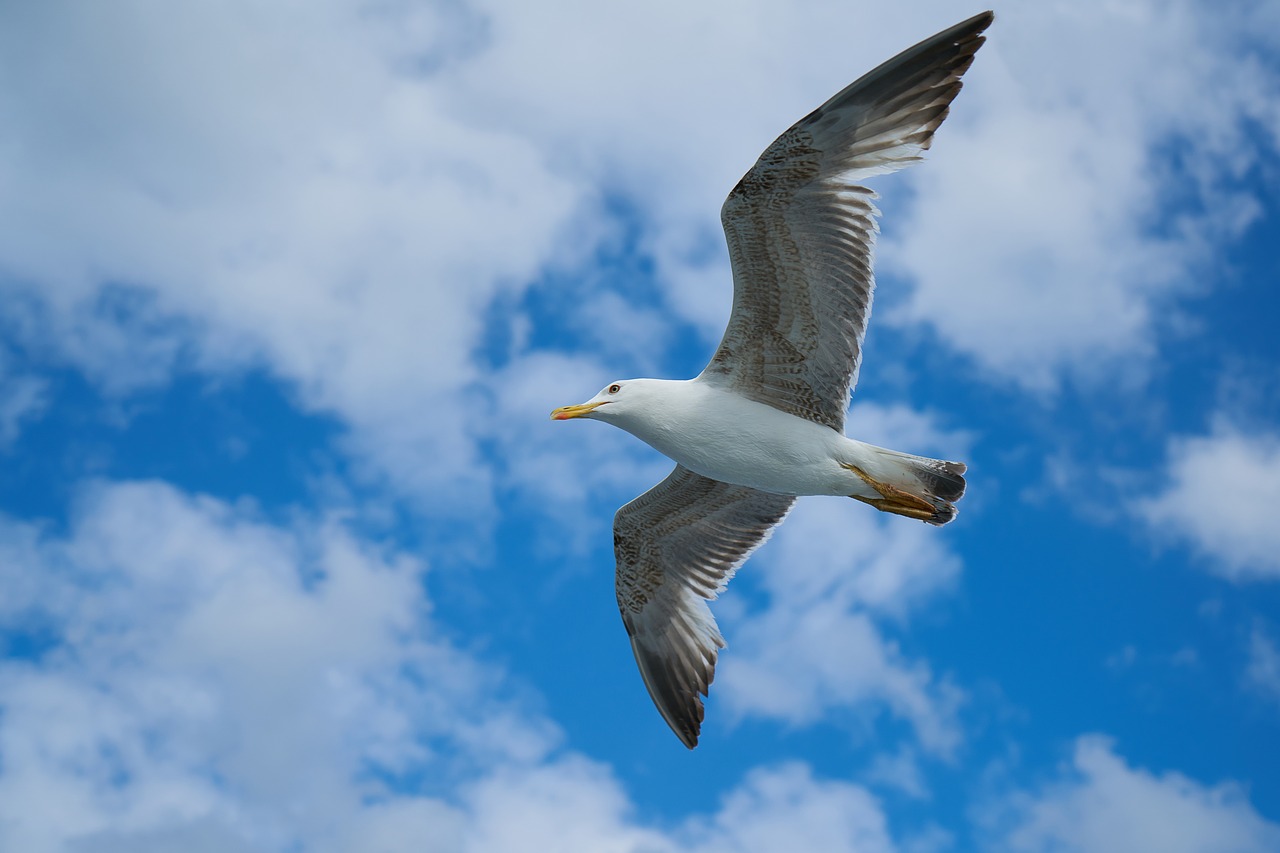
x=801, y=231
x=677, y=546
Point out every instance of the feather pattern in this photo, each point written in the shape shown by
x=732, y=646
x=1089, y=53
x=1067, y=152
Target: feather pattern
x=677, y=546
x=801, y=230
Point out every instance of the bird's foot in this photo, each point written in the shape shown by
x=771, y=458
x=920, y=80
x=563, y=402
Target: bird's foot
x=893, y=499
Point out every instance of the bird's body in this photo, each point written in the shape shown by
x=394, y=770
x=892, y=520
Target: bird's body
x=764, y=422
x=727, y=437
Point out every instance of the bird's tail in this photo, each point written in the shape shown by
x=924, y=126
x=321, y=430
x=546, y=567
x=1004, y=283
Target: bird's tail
x=915, y=486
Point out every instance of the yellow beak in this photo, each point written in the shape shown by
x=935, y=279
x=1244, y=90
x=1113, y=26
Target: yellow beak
x=565, y=412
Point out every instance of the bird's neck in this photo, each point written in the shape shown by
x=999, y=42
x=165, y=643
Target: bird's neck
x=668, y=405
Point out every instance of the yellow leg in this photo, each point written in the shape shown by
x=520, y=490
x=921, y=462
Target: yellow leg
x=894, y=500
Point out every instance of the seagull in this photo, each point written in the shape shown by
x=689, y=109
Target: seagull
x=764, y=422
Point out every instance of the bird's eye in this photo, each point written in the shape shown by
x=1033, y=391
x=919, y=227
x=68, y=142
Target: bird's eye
x=615, y=388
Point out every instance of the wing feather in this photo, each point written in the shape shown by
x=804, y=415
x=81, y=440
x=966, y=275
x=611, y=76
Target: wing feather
x=801, y=231
x=677, y=546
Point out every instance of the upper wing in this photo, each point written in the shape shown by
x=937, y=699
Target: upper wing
x=677, y=545
x=800, y=230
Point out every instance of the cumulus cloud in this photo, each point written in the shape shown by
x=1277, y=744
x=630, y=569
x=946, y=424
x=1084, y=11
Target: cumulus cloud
x=576, y=806
x=786, y=808
x=345, y=194
x=1069, y=201
x=1103, y=805
x=183, y=673
x=1037, y=239
x=833, y=574
x=341, y=192
x=900, y=772
x=1263, y=670
x=223, y=187
x=1219, y=497
x=670, y=117
x=910, y=430
x=23, y=398
x=192, y=670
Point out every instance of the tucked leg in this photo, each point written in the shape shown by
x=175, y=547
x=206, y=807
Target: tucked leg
x=895, y=500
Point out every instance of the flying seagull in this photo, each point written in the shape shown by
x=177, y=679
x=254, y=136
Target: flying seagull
x=764, y=422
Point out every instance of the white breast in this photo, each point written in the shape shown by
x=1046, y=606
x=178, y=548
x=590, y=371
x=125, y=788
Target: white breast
x=729, y=438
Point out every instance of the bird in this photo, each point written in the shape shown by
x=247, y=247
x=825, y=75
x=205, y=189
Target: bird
x=764, y=421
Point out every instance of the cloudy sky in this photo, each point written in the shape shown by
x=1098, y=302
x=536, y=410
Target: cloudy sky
x=293, y=560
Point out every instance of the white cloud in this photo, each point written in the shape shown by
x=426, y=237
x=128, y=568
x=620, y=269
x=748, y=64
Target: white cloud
x=1037, y=241
x=1102, y=805
x=785, y=808
x=899, y=771
x=1263, y=670
x=209, y=673
x=236, y=186
x=678, y=103
x=575, y=805
x=1041, y=239
x=197, y=677
x=1219, y=499
x=832, y=571
x=340, y=192
x=900, y=427
x=22, y=398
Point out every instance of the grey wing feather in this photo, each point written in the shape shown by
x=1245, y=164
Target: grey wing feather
x=677, y=546
x=801, y=231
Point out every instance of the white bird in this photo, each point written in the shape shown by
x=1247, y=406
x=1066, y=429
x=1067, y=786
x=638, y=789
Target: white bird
x=764, y=422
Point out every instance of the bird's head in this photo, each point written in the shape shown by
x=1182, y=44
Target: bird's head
x=614, y=399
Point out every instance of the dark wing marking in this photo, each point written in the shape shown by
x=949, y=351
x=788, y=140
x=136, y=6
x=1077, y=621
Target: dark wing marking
x=677, y=546
x=801, y=231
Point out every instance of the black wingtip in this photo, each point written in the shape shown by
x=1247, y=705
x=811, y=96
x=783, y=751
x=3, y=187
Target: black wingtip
x=686, y=729
x=977, y=23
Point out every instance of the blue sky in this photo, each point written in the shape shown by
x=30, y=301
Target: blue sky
x=293, y=559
